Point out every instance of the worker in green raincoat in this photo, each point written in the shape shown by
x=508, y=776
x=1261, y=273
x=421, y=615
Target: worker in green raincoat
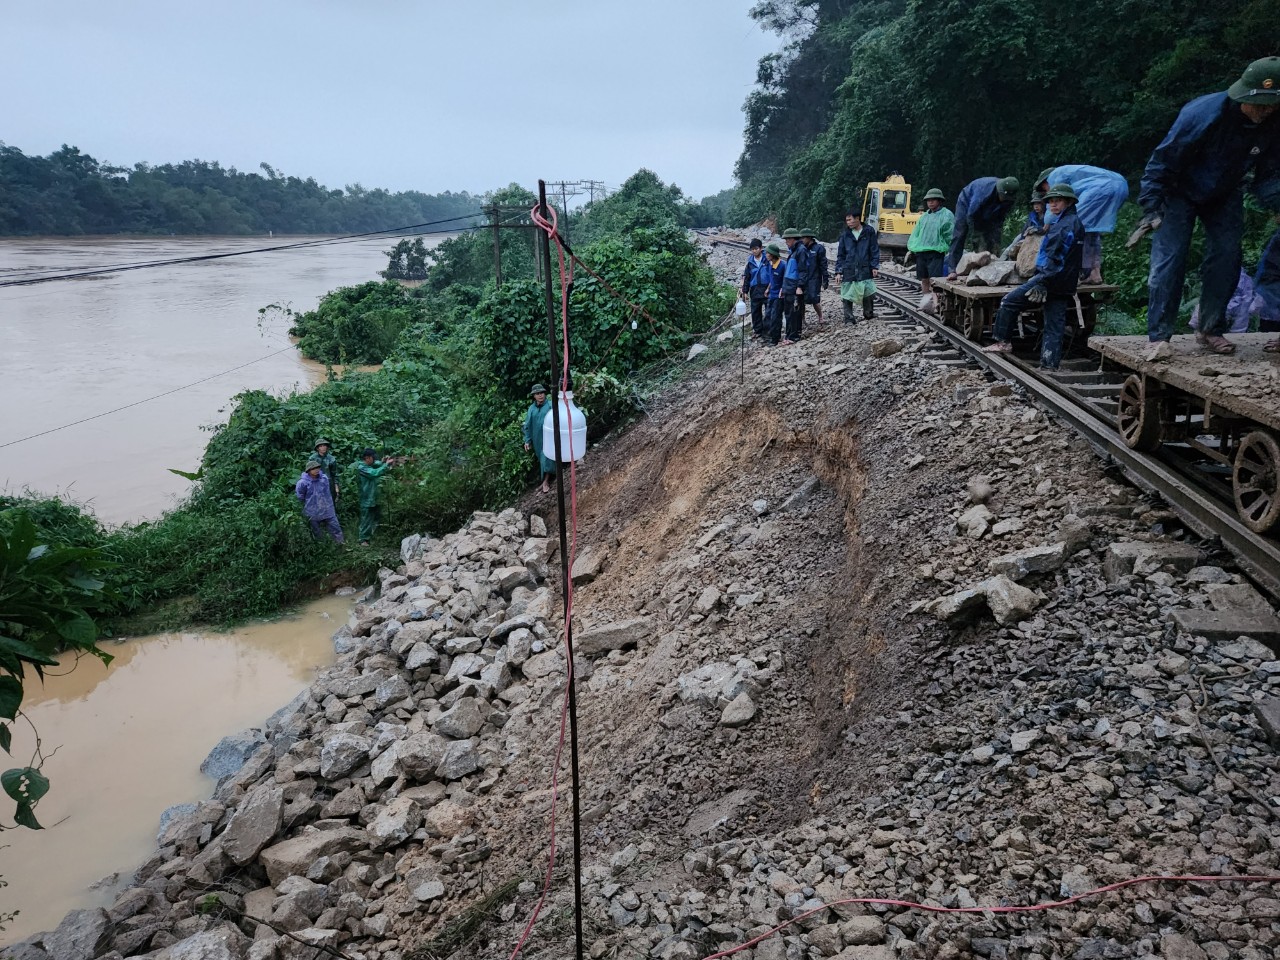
x=369, y=470
x=532, y=432
x=322, y=453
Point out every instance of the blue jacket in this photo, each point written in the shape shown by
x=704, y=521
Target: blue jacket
x=317, y=501
x=755, y=277
x=799, y=266
x=1208, y=152
x=776, y=276
x=819, y=275
x=1034, y=222
x=979, y=203
x=1101, y=194
x=855, y=259
x=1061, y=253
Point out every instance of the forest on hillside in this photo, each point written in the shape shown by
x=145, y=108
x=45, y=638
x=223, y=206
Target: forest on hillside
x=944, y=91
x=70, y=193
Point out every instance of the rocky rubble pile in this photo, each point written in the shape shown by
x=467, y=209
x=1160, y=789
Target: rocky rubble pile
x=359, y=804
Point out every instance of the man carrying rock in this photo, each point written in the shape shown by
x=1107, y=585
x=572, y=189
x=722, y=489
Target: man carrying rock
x=755, y=285
x=930, y=240
x=1054, y=283
x=981, y=210
x=794, y=283
x=312, y=489
x=1102, y=193
x=857, y=266
x=1198, y=172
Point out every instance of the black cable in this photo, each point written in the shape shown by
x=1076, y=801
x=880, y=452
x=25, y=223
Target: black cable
x=388, y=234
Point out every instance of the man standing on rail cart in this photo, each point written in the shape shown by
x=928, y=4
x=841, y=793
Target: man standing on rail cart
x=981, y=210
x=930, y=240
x=819, y=277
x=1199, y=172
x=857, y=266
x=773, y=307
x=755, y=284
x=1102, y=193
x=1054, y=284
x=794, y=284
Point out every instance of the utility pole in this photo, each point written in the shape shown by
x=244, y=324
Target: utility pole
x=492, y=211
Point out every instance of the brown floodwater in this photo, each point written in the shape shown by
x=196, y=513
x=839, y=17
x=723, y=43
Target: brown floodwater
x=129, y=739
x=73, y=349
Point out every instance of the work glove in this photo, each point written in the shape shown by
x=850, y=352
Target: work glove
x=1149, y=223
x=1038, y=294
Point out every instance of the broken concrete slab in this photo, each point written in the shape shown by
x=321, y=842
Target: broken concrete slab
x=1022, y=563
x=1225, y=625
x=1139, y=558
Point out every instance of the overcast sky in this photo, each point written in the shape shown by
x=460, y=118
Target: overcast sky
x=390, y=93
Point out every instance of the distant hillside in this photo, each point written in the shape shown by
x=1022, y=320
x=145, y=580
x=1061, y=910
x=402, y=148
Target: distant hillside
x=71, y=193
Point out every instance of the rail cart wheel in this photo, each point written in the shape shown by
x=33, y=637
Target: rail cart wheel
x=976, y=322
x=1139, y=416
x=1256, y=480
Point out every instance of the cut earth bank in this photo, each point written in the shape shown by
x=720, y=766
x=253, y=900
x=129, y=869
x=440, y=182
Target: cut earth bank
x=774, y=712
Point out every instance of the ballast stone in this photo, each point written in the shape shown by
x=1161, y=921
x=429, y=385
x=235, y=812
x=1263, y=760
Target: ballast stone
x=612, y=636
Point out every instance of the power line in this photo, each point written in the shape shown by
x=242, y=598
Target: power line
x=107, y=413
x=387, y=234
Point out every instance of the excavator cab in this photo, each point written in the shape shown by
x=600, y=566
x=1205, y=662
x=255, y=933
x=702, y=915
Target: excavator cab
x=886, y=206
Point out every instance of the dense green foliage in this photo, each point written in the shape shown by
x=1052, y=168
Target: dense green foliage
x=947, y=91
x=450, y=396
x=71, y=193
x=357, y=324
x=48, y=595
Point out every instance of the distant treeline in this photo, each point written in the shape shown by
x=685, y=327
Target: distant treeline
x=71, y=193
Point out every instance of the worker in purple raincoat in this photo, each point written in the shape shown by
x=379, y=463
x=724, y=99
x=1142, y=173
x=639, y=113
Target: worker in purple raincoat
x=313, y=490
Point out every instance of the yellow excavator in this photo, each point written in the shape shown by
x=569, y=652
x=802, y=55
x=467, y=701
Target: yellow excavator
x=886, y=206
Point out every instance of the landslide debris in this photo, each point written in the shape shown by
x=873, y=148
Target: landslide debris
x=810, y=668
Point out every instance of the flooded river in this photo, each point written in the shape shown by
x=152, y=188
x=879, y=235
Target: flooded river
x=129, y=740
x=76, y=348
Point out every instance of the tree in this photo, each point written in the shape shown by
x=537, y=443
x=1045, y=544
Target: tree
x=47, y=596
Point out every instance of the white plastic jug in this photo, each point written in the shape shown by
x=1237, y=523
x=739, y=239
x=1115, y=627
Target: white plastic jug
x=741, y=308
x=573, y=430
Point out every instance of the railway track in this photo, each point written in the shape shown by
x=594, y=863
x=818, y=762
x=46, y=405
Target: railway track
x=1086, y=397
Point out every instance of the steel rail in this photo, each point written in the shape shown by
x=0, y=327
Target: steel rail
x=1258, y=556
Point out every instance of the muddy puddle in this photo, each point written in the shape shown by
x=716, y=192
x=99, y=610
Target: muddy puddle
x=129, y=740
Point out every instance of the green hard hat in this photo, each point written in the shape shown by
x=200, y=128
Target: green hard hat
x=774, y=249
x=1061, y=191
x=1044, y=175
x=1007, y=186
x=1260, y=83
x=809, y=232
x=791, y=233
x=537, y=388
x=312, y=464
x=319, y=442
x=935, y=194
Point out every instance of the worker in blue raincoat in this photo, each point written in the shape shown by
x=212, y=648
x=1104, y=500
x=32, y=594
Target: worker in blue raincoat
x=315, y=493
x=1054, y=283
x=981, y=210
x=755, y=286
x=1102, y=193
x=819, y=274
x=794, y=283
x=1266, y=283
x=1199, y=172
x=773, y=305
x=532, y=433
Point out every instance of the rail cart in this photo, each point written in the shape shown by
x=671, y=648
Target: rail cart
x=1224, y=408
x=973, y=309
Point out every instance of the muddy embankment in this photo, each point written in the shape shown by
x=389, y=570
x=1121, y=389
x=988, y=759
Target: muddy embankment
x=854, y=626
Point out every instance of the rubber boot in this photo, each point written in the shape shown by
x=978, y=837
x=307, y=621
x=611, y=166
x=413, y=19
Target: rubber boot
x=847, y=307
x=868, y=308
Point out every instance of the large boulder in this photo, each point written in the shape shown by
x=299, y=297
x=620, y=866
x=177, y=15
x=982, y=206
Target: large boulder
x=231, y=753
x=254, y=824
x=343, y=753
x=395, y=824
x=461, y=721
x=420, y=754
x=294, y=856
x=612, y=636
x=220, y=943
x=81, y=935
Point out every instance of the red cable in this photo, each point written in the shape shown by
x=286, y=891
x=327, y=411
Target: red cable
x=552, y=235
x=910, y=904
